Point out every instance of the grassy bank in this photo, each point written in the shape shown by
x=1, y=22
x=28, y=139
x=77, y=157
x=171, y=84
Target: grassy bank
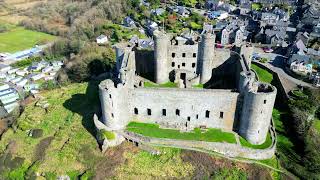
x=167, y=84
x=153, y=130
x=264, y=145
x=264, y=75
x=18, y=38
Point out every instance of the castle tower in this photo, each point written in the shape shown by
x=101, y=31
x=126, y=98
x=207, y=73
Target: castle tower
x=161, y=57
x=257, y=112
x=206, y=55
x=114, y=105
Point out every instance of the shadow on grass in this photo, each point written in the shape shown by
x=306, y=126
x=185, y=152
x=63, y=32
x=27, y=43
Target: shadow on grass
x=86, y=105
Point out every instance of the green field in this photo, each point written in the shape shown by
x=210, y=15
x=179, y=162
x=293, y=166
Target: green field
x=264, y=145
x=153, y=130
x=264, y=75
x=18, y=38
x=169, y=84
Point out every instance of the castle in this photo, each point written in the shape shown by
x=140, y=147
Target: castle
x=231, y=98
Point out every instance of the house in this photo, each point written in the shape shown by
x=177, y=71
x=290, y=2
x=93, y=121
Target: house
x=47, y=69
x=223, y=15
x=283, y=15
x=21, y=72
x=273, y=2
x=15, y=80
x=207, y=28
x=6, y=91
x=315, y=32
x=158, y=11
x=183, y=11
x=102, y=39
x=4, y=68
x=275, y=37
x=226, y=7
x=151, y=26
x=22, y=83
x=4, y=87
x=10, y=77
x=12, y=71
x=269, y=18
x=128, y=22
x=11, y=106
x=10, y=97
x=36, y=77
x=37, y=66
x=300, y=64
x=32, y=86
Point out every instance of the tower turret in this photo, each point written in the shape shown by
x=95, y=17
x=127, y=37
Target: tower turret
x=257, y=112
x=206, y=55
x=161, y=57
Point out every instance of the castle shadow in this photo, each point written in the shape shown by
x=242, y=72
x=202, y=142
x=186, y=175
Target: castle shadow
x=86, y=105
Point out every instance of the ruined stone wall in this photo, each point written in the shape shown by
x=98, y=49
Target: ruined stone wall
x=182, y=57
x=184, y=108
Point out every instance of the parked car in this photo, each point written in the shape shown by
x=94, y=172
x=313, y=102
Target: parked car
x=267, y=50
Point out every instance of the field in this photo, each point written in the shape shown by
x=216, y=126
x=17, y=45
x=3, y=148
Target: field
x=18, y=38
x=167, y=84
x=264, y=76
x=153, y=130
x=63, y=143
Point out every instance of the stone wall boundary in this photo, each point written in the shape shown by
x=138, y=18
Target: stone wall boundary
x=226, y=149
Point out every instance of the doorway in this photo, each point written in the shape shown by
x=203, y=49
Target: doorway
x=183, y=77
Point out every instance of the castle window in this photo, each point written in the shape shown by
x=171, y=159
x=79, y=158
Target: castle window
x=193, y=65
x=194, y=55
x=136, y=111
x=221, y=114
x=164, y=112
x=207, y=114
x=112, y=115
x=183, y=64
x=265, y=102
x=110, y=96
x=183, y=54
x=177, y=112
x=173, y=55
x=189, y=118
x=178, y=66
x=172, y=64
x=149, y=112
x=197, y=116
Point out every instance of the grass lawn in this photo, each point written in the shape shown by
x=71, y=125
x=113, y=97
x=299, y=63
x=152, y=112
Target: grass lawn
x=153, y=130
x=198, y=86
x=316, y=124
x=264, y=75
x=18, y=38
x=265, y=145
x=66, y=146
x=167, y=84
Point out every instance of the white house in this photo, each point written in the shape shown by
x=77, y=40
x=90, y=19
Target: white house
x=37, y=76
x=21, y=72
x=47, y=69
x=11, y=71
x=15, y=80
x=4, y=68
x=22, y=82
x=4, y=87
x=102, y=39
x=300, y=64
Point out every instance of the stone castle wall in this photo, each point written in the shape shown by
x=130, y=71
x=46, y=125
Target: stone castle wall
x=184, y=109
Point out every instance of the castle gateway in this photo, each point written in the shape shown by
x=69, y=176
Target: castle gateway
x=231, y=98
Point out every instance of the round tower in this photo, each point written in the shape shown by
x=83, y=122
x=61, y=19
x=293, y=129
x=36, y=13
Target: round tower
x=245, y=80
x=256, y=112
x=206, y=55
x=161, y=57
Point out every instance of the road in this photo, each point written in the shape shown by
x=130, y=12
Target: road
x=277, y=64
